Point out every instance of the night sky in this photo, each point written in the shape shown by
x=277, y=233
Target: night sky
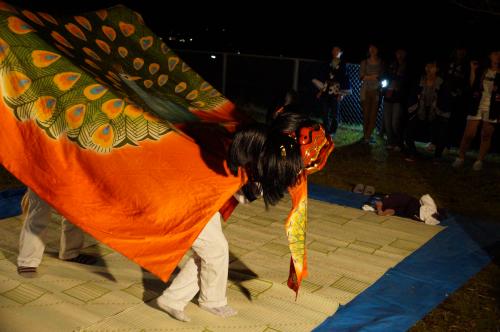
x=308, y=29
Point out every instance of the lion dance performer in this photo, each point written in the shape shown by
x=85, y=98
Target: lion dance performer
x=105, y=123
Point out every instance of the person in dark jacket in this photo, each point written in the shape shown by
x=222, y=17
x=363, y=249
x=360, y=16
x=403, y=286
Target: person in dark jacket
x=457, y=82
x=335, y=87
x=428, y=112
x=394, y=100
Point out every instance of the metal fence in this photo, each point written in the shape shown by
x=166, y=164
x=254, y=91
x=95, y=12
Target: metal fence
x=258, y=84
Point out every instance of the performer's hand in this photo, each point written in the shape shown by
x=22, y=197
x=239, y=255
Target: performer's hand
x=340, y=97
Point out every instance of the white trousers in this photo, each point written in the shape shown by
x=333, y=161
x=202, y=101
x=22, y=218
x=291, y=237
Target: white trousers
x=206, y=271
x=32, y=239
x=427, y=209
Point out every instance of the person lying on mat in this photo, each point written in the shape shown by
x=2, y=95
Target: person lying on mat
x=406, y=206
x=32, y=238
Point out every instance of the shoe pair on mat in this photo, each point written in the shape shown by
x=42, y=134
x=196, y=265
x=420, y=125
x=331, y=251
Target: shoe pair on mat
x=365, y=190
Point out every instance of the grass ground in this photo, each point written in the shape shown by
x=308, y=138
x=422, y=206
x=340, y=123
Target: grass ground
x=476, y=305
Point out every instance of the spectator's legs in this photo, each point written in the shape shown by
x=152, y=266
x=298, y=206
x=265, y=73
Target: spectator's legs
x=396, y=126
x=440, y=129
x=335, y=106
x=325, y=114
x=388, y=119
x=372, y=112
x=411, y=134
x=469, y=133
x=486, y=136
x=32, y=237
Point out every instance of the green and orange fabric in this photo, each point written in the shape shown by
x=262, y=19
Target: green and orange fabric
x=93, y=112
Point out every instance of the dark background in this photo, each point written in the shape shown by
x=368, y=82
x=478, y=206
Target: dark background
x=429, y=30
x=308, y=29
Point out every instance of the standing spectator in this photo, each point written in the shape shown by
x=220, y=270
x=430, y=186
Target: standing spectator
x=456, y=79
x=336, y=86
x=485, y=109
x=394, y=97
x=370, y=73
x=428, y=112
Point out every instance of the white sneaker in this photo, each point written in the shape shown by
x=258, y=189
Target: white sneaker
x=224, y=311
x=458, y=163
x=478, y=165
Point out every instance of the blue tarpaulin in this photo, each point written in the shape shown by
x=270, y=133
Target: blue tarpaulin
x=10, y=202
x=337, y=196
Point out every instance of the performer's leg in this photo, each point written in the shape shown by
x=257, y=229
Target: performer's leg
x=71, y=240
x=213, y=250
x=207, y=270
x=31, y=241
x=182, y=289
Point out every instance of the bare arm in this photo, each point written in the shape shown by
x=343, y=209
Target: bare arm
x=381, y=212
x=388, y=212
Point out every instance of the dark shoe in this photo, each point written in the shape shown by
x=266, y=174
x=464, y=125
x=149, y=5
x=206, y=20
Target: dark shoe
x=27, y=271
x=82, y=259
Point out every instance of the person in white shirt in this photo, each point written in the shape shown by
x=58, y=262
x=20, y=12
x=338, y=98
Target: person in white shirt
x=485, y=110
